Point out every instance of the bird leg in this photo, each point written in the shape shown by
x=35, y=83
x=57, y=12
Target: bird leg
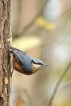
x=12, y=72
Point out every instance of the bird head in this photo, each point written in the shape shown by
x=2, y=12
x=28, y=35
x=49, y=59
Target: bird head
x=37, y=63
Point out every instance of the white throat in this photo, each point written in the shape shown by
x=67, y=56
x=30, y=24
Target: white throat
x=37, y=65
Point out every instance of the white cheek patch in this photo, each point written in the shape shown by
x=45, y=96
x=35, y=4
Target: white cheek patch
x=37, y=65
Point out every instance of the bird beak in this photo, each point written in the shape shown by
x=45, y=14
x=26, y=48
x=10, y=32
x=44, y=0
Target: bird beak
x=45, y=65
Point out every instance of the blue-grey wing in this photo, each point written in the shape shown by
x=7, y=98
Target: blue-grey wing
x=24, y=59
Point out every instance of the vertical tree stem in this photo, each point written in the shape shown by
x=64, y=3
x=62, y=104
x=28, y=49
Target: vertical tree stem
x=5, y=7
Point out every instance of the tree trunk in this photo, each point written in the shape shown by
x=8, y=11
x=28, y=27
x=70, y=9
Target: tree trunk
x=5, y=35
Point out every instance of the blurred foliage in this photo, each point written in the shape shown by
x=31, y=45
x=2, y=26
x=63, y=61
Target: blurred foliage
x=48, y=40
x=45, y=24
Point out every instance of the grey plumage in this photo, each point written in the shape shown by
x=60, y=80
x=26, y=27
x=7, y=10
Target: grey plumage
x=25, y=60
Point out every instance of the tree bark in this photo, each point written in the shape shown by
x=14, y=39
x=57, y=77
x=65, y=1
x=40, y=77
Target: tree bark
x=5, y=6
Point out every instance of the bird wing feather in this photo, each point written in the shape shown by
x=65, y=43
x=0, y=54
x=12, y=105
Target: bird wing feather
x=24, y=60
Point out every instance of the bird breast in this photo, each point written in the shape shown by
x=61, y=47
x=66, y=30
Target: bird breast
x=35, y=67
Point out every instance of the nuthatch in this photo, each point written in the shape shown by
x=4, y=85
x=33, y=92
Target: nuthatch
x=24, y=63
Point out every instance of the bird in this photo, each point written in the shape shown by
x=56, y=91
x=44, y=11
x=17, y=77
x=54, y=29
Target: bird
x=24, y=63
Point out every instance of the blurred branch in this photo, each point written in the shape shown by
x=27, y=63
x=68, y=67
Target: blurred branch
x=31, y=23
x=58, y=83
x=34, y=19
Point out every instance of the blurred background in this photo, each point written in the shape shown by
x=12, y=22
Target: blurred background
x=42, y=29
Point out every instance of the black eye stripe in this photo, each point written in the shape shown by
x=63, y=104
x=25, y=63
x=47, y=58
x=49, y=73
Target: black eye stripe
x=37, y=63
x=40, y=63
